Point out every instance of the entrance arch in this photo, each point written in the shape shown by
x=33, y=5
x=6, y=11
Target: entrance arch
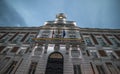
x=55, y=63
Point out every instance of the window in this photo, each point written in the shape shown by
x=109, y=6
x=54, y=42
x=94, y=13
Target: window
x=102, y=53
x=4, y=39
x=110, y=53
x=94, y=54
x=72, y=34
x=30, y=38
x=32, y=68
x=6, y=50
x=101, y=41
x=77, y=69
x=100, y=69
x=115, y=42
x=17, y=39
x=15, y=49
x=22, y=51
x=88, y=41
x=45, y=34
x=75, y=53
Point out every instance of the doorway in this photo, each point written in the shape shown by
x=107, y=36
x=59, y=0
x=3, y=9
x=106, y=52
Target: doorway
x=55, y=63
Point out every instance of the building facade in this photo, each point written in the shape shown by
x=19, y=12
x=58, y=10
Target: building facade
x=59, y=47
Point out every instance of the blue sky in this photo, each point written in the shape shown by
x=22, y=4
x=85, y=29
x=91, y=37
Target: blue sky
x=87, y=13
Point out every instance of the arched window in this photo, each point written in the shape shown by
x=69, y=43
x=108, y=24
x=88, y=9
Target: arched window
x=55, y=63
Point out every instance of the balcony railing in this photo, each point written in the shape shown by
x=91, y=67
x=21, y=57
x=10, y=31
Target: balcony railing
x=58, y=40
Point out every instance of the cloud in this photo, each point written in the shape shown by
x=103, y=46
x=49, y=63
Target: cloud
x=87, y=13
x=9, y=16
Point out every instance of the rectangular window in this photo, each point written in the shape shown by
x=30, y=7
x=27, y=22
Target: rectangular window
x=10, y=67
x=32, y=68
x=6, y=50
x=75, y=53
x=101, y=41
x=17, y=39
x=4, y=39
x=72, y=34
x=30, y=38
x=102, y=53
x=45, y=34
x=100, y=69
x=94, y=54
x=77, y=69
x=15, y=49
x=88, y=41
x=114, y=41
x=112, y=56
x=21, y=52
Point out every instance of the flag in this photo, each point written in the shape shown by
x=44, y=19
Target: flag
x=52, y=33
x=58, y=31
x=64, y=33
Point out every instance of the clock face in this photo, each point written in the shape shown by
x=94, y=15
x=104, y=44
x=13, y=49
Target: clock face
x=60, y=17
x=56, y=55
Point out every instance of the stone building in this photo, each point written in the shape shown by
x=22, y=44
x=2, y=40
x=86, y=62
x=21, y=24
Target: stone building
x=59, y=47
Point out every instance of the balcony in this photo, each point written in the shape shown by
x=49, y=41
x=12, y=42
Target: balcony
x=58, y=40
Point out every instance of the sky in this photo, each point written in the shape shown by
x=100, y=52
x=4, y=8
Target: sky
x=86, y=13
